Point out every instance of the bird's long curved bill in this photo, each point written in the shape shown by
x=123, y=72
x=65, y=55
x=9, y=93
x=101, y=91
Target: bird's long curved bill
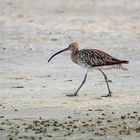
x=57, y=53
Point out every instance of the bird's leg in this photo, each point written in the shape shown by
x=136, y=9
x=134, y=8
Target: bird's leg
x=76, y=93
x=109, y=94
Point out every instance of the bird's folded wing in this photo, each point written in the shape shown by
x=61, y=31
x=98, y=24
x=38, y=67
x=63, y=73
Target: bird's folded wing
x=95, y=58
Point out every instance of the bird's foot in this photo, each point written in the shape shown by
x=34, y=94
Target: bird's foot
x=72, y=95
x=110, y=81
x=108, y=95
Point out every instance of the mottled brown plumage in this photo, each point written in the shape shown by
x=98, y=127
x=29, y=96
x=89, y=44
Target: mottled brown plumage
x=93, y=59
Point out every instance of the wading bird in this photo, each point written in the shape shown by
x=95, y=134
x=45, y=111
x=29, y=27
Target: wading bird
x=92, y=59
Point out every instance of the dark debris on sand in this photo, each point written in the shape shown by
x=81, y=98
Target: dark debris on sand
x=128, y=124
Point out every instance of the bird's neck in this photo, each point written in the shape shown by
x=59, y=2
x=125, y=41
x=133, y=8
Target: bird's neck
x=73, y=54
x=74, y=51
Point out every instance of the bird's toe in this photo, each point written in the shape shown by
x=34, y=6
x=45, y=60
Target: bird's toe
x=71, y=95
x=108, y=95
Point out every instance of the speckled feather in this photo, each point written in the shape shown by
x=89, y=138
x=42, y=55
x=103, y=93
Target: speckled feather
x=95, y=58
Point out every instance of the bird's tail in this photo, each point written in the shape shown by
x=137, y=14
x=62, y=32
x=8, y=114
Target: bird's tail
x=120, y=66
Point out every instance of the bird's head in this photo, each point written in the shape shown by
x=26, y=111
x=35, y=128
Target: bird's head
x=71, y=47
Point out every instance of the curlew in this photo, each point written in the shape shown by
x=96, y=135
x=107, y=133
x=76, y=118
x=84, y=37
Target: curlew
x=92, y=59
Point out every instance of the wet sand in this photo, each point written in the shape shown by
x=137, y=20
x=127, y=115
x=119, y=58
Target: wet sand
x=33, y=101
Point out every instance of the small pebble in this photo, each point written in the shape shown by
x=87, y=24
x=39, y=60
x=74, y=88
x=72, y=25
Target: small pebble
x=75, y=126
x=55, y=129
x=101, y=128
x=112, y=126
x=103, y=114
x=71, y=122
x=101, y=118
x=18, y=126
x=49, y=135
x=90, y=120
x=99, y=121
x=53, y=39
x=123, y=117
x=99, y=109
x=109, y=121
x=1, y=129
x=135, y=112
x=69, y=117
x=17, y=86
x=67, y=128
x=133, y=117
x=137, y=130
x=98, y=134
x=82, y=132
x=85, y=125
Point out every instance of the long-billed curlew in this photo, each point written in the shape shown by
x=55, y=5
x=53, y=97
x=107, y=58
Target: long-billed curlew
x=92, y=59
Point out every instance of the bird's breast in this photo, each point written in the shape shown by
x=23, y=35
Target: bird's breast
x=74, y=59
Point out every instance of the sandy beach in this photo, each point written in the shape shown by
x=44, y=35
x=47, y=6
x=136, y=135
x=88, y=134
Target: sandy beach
x=33, y=101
